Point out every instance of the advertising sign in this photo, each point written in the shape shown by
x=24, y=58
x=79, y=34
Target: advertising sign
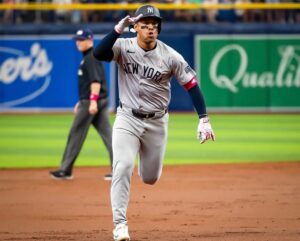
x=256, y=72
x=40, y=72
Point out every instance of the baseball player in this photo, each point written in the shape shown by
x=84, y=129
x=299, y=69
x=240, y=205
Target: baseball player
x=145, y=68
x=92, y=107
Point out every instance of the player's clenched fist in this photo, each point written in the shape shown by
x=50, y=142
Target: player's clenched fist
x=204, y=131
x=125, y=22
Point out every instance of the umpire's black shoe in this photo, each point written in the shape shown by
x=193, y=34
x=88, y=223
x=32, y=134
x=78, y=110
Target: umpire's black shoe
x=61, y=175
x=107, y=177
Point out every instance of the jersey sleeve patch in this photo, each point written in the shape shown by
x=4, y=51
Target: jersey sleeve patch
x=188, y=69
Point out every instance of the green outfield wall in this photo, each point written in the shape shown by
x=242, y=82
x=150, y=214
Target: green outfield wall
x=249, y=72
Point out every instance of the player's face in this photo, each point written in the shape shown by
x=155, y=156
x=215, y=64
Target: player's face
x=83, y=45
x=147, y=29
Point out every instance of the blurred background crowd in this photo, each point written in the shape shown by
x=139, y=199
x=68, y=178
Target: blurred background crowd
x=199, y=16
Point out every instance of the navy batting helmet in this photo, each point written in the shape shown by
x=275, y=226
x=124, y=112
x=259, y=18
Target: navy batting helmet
x=149, y=11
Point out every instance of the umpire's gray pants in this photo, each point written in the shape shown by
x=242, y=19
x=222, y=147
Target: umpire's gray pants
x=132, y=136
x=79, y=130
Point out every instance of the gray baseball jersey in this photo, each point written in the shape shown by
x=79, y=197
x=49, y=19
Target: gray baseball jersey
x=144, y=77
x=144, y=84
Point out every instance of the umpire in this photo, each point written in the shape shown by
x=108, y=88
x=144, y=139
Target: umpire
x=92, y=108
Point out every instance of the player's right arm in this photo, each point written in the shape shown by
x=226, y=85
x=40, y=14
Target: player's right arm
x=103, y=51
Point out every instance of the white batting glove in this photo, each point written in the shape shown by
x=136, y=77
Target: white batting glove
x=125, y=22
x=204, y=130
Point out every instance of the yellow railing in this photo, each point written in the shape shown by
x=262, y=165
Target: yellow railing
x=133, y=6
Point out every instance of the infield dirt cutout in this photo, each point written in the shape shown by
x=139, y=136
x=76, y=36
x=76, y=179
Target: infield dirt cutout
x=230, y=202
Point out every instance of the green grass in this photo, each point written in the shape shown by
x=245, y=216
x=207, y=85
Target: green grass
x=39, y=140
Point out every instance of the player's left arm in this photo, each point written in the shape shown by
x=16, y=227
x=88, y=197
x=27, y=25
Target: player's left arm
x=186, y=76
x=204, y=130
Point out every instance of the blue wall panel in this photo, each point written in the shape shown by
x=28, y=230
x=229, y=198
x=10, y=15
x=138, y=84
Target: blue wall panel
x=39, y=72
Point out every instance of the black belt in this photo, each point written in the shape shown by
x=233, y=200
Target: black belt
x=143, y=115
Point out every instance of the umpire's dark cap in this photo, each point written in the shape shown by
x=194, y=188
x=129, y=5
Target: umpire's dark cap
x=83, y=34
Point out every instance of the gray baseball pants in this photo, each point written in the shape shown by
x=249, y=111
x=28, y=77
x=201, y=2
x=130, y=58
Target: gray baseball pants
x=78, y=132
x=132, y=136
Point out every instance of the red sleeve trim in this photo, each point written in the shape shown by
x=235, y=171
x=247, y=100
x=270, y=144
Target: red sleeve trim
x=191, y=83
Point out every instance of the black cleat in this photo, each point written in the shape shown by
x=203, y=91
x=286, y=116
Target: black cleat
x=61, y=175
x=107, y=177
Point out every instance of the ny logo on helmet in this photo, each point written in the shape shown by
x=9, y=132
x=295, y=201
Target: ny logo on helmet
x=150, y=10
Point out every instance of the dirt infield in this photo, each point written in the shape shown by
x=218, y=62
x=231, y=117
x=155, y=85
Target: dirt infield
x=241, y=202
